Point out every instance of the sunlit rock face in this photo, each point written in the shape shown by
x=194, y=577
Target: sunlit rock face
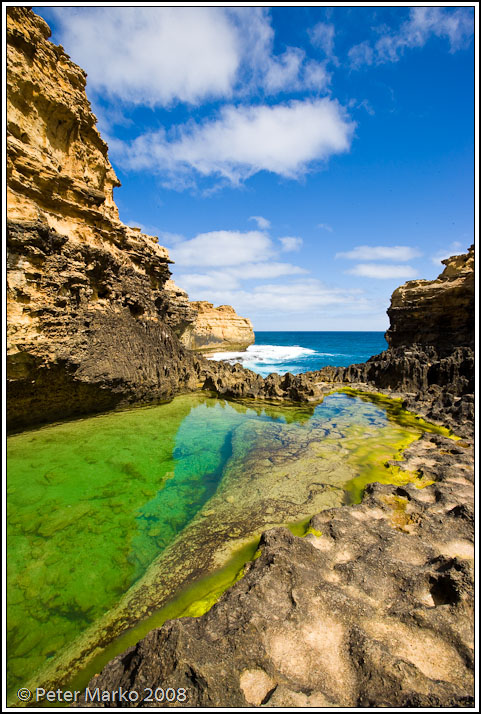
x=90, y=325
x=438, y=313
x=217, y=328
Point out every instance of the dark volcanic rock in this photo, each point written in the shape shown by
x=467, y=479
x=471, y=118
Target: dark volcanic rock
x=376, y=611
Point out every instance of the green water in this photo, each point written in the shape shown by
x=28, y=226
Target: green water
x=93, y=503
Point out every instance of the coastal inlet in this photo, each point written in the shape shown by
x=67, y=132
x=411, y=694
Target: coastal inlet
x=112, y=516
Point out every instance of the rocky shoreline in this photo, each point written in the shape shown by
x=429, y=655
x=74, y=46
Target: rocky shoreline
x=373, y=607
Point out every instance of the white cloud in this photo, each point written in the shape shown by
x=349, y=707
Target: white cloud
x=454, y=249
x=168, y=238
x=283, y=72
x=156, y=56
x=231, y=277
x=290, y=243
x=361, y=54
x=263, y=223
x=296, y=297
x=383, y=272
x=286, y=139
x=380, y=252
x=455, y=25
x=224, y=248
x=325, y=226
x=322, y=36
x=153, y=55
x=315, y=76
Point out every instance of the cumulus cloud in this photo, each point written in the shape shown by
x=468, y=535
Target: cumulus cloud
x=285, y=139
x=296, y=297
x=315, y=75
x=455, y=25
x=223, y=248
x=360, y=55
x=153, y=55
x=283, y=71
x=231, y=277
x=263, y=223
x=290, y=243
x=156, y=56
x=383, y=272
x=380, y=252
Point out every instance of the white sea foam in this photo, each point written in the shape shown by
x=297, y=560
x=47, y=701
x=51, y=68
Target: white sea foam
x=265, y=359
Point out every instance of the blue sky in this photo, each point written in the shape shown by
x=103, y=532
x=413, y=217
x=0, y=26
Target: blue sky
x=298, y=162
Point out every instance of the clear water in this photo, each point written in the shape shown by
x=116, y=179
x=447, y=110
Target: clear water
x=297, y=352
x=93, y=503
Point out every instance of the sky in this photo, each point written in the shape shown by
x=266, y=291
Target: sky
x=300, y=162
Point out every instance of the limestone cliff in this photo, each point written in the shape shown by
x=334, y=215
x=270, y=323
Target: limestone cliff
x=90, y=324
x=216, y=329
x=440, y=312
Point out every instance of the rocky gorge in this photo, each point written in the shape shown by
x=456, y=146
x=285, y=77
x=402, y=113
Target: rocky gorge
x=374, y=605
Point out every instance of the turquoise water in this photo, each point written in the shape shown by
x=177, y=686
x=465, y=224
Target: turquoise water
x=297, y=352
x=93, y=502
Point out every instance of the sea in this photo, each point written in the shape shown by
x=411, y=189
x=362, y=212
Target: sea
x=298, y=352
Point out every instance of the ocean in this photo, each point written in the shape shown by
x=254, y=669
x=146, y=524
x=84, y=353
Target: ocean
x=297, y=352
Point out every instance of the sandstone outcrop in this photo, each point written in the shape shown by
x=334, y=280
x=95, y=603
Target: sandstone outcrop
x=90, y=325
x=217, y=329
x=438, y=313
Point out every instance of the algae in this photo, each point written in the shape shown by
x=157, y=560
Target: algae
x=109, y=516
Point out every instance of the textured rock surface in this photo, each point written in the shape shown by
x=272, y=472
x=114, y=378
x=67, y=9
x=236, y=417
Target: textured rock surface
x=440, y=312
x=434, y=378
x=376, y=611
x=90, y=325
x=217, y=329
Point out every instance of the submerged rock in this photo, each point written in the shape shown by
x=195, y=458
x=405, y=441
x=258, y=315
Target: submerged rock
x=373, y=607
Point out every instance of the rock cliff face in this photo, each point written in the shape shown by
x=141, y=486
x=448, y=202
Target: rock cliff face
x=430, y=360
x=438, y=313
x=90, y=324
x=217, y=329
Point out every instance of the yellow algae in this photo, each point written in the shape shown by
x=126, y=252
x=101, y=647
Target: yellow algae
x=395, y=411
x=226, y=472
x=313, y=531
x=399, y=517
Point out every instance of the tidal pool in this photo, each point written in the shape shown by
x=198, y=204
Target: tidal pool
x=110, y=518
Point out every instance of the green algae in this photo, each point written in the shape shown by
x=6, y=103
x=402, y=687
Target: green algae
x=100, y=506
x=396, y=412
x=193, y=601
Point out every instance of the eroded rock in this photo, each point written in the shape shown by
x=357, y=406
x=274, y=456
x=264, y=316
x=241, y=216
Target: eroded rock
x=376, y=611
x=217, y=329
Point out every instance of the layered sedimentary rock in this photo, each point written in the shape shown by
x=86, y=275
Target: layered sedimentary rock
x=440, y=312
x=217, y=329
x=90, y=325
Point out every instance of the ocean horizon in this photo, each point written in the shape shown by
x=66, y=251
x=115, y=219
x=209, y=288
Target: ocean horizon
x=305, y=351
